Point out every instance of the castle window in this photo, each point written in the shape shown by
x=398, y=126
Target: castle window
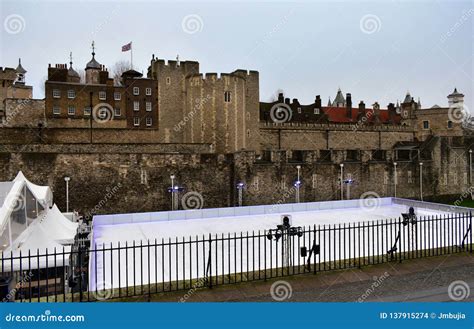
x=227, y=96
x=71, y=94
x=87, y=111
x=148, y=106
x=148, y=91
x=56, y=110
x=168, y=80
x=71, y=110
x=316, y=111
x=117, y=96
x=136, y=105
x=102, y=95
x=450, y=124
x=136, y=121
x=148, y=121
x=117, y=111
x=426, y=124
x=136, y=91
x=325, y=155
x=56, y=93
x=248, y=132
x=299, y=109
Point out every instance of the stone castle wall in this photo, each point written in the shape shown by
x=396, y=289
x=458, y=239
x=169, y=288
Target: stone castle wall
x=134, y=178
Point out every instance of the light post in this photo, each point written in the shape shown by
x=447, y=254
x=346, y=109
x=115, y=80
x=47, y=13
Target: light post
x=342, y=180
x=421, y=181
x=297, y=185
x=395, y=179
x=240, y=187
x=67, y=179
x=172, y=177
x=470, y=167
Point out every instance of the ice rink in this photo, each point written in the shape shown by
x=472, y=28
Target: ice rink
x=162, y=260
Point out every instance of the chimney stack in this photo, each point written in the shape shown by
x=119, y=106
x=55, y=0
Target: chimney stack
x=349, y=106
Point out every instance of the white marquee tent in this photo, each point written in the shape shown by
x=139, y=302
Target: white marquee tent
x=30, y=223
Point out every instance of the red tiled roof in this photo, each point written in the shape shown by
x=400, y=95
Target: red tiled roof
x=338, y=115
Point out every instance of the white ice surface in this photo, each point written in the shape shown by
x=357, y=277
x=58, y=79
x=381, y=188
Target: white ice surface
x=163, y=262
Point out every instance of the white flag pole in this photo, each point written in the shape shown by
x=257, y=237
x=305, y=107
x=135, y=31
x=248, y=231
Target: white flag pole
x=131, y=56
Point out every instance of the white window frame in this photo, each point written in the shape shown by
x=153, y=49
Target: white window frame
x=56, y=110
x=102, y=95
x=136, y=91
x=316, y=110
x=148, y=106
x=136, y=121
x=136, y=105
x=117, y=112
x=148, y=91
x=149, y=121
x=56, y=93
x=87, y=111
x=71, y=110
x=117, y=96
x=71, y=94
x=299, y=109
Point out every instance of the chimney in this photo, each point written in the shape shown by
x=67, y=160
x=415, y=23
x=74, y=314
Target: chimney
x=317, y=101
x=361, y=113
x=349, y=106
x=391, y=113
x=287, y=101
x=280, y=98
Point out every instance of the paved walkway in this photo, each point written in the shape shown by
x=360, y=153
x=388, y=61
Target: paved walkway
x=424, y=279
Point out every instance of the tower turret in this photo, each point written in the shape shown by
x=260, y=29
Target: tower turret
x=20, y=73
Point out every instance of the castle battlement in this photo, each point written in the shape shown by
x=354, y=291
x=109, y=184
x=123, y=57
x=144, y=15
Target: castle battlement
x=334, y=126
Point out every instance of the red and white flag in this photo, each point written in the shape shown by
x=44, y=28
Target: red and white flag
x=127, y=47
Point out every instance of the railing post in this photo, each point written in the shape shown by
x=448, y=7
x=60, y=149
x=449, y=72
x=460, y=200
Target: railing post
x=209, y=265
x=470, y=227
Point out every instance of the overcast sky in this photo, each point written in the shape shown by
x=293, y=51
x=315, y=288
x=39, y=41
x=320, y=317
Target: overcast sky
x=375, y=50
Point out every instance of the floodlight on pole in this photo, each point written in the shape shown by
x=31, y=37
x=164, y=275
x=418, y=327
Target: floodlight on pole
x=342, y=180
x=67, y=179
x=298, y=184
x=421, y=181
x=470, y=167
x=172, y=177
x=240, y=187
x=395, y=179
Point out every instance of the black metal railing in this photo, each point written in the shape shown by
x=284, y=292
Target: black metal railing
x=128, y=269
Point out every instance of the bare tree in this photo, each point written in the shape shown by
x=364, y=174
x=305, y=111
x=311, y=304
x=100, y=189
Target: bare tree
x=117, y=69
x=274, y=97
